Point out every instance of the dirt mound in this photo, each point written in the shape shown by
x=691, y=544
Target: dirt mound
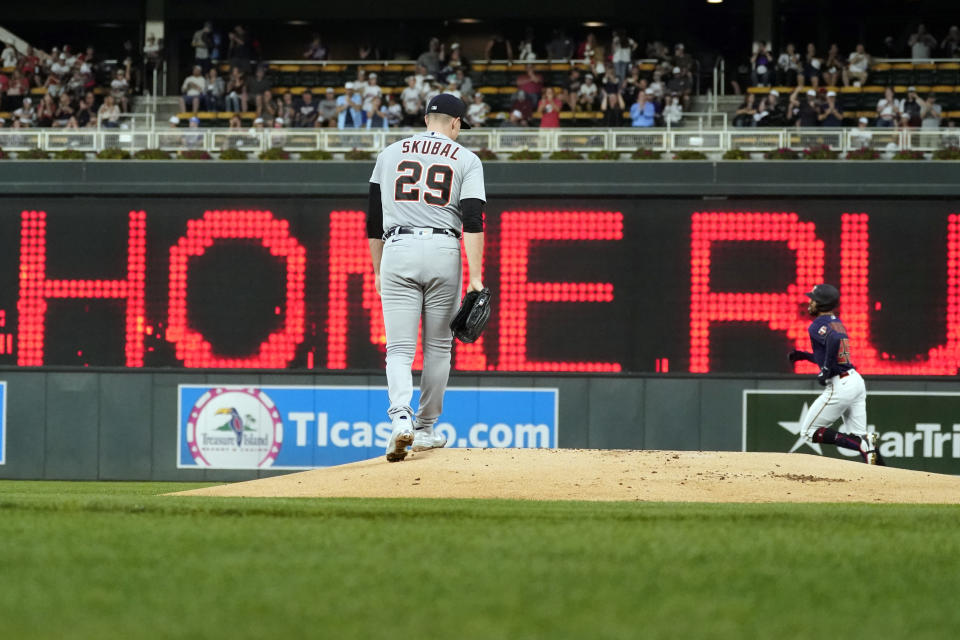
x=589, y=474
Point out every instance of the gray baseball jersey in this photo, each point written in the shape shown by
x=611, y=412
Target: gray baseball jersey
x=422, y=180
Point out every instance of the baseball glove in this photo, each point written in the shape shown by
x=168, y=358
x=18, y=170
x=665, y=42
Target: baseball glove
x=472, y=317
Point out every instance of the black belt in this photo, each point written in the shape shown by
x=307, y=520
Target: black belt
x=447, y=232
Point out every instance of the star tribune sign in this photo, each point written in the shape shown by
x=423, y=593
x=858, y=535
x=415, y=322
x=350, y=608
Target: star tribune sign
x=793, y=428
x=918, y=430
x=234, y=428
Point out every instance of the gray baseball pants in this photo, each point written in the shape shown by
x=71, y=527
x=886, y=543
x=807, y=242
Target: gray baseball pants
x=420, y=276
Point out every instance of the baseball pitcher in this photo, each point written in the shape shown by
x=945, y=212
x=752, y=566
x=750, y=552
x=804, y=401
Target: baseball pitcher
x=845, y=395
x=425, y=191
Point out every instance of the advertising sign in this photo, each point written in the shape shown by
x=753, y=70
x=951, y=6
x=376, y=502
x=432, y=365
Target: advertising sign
x=3, y=422
x=242, y=427
x=918, y=430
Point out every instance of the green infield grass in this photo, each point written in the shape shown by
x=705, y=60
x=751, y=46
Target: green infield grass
x=117, y=560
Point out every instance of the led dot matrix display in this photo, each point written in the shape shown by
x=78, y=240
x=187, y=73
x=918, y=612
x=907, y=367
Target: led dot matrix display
x=638, y=285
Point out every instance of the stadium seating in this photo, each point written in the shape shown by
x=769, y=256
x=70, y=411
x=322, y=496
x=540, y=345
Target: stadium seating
x=497, y=81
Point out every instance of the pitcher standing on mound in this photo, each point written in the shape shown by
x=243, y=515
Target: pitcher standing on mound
x=424, y=192
x=845, y=395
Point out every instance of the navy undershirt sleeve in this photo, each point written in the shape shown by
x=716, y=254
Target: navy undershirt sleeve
x=374, y=213
x=472, y=209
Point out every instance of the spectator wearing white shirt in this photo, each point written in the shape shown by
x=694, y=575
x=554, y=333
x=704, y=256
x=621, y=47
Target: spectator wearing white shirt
x=623, y=48
x=327, y=109
x=921, y=43
x=658, y=87
x=587, y=96
x=452, y=89
x=526, y=46
x=433, y=90
x=152, y=54
x=109, y=113
x=788, y=66
x=53, y=85
x=120, y=88
x=9, y=56
x=427, y=89
x=371, y=90
x=673, y=111
x=59, y=65
x=192, y=89
x=857, y=64
x=69, y=55
x=888, y=109
x=394, y=110
x=412, y=104
x=478, y=110
x=860, y=139
x=26, y=114
x=420, y=78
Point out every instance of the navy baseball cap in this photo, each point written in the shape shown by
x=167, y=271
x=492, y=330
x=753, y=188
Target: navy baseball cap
x=451, y=105
x=825, y=295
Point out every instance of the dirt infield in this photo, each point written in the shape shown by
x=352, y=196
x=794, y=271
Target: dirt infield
x=589, y=474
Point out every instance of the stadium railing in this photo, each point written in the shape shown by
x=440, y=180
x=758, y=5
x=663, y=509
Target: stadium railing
x=499, y=140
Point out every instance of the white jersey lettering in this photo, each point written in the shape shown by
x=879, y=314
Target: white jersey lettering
x=422, y=180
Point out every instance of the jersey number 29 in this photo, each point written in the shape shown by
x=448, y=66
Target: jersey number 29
x=439, y=182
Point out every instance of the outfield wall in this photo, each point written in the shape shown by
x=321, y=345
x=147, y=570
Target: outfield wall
x=109, y=422
x=124, y=426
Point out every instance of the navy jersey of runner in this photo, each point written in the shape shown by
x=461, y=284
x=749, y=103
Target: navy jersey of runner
x=831, y=345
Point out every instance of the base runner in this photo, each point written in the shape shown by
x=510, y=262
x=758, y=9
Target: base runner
x=845, y=395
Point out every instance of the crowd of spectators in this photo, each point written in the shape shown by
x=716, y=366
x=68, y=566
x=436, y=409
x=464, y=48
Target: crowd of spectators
x=815, y=78
x=793, y=69
x=609, y=82
x=62, y=88
x=811, y=108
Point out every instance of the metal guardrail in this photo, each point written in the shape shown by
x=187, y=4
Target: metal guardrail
x=373, y=64
x=498, y=139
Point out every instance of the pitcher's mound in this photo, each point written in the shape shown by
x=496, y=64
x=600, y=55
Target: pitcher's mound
x=579, y=474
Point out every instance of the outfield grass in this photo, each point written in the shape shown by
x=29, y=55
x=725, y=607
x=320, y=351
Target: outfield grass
x=115, y=560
